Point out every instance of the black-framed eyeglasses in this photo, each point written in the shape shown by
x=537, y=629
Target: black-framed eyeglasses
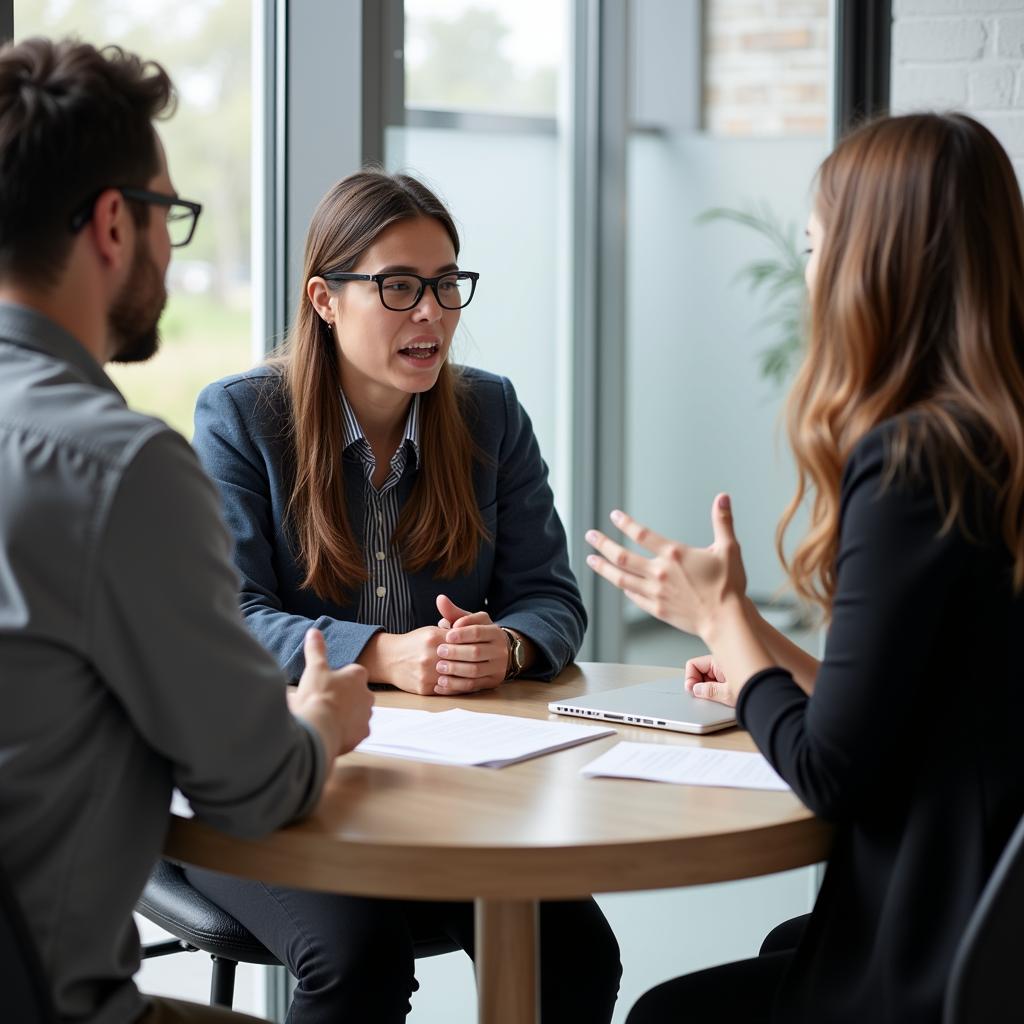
x=182, y=214
x=401, y=292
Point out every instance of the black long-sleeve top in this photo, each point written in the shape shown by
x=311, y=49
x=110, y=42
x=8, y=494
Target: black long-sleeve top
x=910, y=744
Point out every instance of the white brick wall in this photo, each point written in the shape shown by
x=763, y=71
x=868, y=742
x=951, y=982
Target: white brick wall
x=963, y=55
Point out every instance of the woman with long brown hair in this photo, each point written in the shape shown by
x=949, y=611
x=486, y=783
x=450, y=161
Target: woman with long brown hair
x=399, y=503
x=907, y=423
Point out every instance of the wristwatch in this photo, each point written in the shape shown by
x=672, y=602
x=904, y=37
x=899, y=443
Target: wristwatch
x=516, y=654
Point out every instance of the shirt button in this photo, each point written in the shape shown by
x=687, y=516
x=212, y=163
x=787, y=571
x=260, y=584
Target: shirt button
x=381, y=556
x=381, y=591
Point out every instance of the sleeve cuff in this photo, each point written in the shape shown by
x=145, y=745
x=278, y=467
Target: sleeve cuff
x=550, y=661
x=752, y=699
x=344, y=641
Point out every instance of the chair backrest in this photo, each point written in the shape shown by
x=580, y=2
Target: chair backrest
x=983, y=985
x=24, y=990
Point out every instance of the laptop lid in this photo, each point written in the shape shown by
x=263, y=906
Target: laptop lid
x=658, y=704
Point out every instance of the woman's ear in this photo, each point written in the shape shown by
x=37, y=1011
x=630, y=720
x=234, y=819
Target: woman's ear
x=320, y=298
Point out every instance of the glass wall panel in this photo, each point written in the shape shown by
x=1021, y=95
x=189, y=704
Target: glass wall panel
x=491, y=56
x=206, y=47
x=716, y=212
x=503, y=178
x=731, y=114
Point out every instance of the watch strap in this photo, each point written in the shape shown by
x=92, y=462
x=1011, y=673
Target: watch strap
x=515, y=654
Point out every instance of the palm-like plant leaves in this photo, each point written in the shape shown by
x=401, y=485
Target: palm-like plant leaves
x=779, y=278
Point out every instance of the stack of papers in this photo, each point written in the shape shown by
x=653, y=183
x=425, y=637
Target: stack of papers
x=469, y=737
x=691, y=766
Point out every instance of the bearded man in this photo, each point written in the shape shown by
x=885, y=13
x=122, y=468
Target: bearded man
x=125, y=668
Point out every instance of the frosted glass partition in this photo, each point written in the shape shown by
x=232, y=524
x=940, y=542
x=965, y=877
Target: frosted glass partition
x=699, y=416
x=502, y=191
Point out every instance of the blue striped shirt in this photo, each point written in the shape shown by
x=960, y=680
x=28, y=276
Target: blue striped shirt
x=384, y=599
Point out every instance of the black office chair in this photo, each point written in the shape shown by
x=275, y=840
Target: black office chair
x=170, y=901
x=24, y=990
x=982, y=987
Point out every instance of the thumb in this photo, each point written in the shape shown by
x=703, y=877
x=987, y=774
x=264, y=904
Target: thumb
x=449, y=609
x=721, y=520
x=314, y=649
x=718, y=692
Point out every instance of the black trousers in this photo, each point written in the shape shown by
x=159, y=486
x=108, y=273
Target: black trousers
x=353, y=956
x=742, y=992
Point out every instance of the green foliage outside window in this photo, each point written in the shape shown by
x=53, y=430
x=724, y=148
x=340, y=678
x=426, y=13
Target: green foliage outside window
x=460, y=62
x=205, y=45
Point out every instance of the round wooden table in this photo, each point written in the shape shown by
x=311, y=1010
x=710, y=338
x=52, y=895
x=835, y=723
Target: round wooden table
x=510, y=837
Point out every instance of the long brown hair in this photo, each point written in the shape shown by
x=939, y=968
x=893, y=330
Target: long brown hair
x=440, y=523
x=917, y=308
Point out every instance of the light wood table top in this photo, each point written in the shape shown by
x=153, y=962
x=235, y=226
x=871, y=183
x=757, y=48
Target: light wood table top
x=534, y=830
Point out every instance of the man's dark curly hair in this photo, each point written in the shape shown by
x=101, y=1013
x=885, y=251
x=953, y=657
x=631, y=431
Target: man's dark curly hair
x=74, y=120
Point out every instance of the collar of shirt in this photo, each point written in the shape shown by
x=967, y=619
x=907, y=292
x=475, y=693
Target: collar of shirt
x=28, y=328
x=356, y=439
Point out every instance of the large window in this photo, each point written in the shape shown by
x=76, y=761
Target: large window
x=205, y=45
x=484, y=55
x=717, y=200
x=482, y=125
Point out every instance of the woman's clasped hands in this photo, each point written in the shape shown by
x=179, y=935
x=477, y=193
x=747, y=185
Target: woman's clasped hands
x=474, y=652
x=464, y=652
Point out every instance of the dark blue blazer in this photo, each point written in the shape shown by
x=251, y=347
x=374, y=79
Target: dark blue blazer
x=521, y=578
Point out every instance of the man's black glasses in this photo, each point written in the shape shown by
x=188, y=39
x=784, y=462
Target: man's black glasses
x=401, y=292
x=182, y=214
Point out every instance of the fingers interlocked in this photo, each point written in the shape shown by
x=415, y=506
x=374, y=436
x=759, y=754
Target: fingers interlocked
x=474, y=656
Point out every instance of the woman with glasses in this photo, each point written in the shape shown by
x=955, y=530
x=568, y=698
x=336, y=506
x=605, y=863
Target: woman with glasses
x=399, y=503
x=907, y=423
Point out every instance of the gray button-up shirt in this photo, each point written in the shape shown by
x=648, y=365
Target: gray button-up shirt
x=125, y=668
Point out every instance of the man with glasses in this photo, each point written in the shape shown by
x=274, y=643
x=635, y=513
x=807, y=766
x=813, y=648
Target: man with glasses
x=125, y=668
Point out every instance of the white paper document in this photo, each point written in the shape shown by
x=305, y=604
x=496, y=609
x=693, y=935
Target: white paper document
x=469, y=737
x=689, y=766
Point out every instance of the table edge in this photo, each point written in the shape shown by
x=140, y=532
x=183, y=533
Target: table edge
x=293, y=858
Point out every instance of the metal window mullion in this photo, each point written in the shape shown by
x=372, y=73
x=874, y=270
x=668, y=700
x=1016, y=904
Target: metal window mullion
x=383, y=78
x=324, y=70
x=269, y=176
x=480, y=121
x=863, y=32
x=269, y=269
x=599, y=138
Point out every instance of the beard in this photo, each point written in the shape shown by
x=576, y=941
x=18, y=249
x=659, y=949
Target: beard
x=135, y=314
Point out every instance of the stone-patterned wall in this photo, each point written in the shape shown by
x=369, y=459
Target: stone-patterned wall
x=766, y=67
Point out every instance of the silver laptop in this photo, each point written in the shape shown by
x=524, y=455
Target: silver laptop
x=659, y=703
